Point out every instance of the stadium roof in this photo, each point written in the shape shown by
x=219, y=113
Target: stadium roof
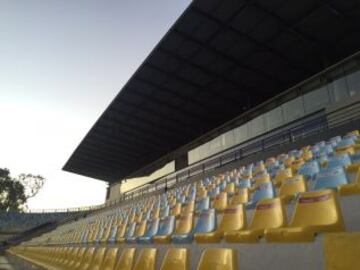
x=218, y=60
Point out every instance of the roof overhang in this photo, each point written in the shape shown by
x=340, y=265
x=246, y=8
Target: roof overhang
x=220, y=59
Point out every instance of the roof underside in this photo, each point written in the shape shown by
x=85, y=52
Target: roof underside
x=219, y=59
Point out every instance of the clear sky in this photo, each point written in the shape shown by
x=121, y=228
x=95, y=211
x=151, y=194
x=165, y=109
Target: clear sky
x=61, y=64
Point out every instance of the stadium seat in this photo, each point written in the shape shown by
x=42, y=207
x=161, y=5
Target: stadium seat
x=176, y=210
x=97, y=261
x=176, y=259
x=126, y=260
x=269, y=213
x=291, y=187
x=331, y=177
x=85, y=262
x=220, y=201
x=233, y=219
x=315, y=212
x=241, y=196
x=262, y=191
x=338, y=161
x=129, y=232
x=188, y=208
x=281, y=175
x=203, y=205
x=109, y=259
x=166, y=228
x=310, y=169
x=218, y=259
x=152, y=229
x=183, y=228
x=146, y=260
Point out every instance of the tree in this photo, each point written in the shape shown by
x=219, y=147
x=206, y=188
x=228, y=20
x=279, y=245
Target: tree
x=14, y=192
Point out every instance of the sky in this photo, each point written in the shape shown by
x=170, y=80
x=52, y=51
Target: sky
x=61, y=64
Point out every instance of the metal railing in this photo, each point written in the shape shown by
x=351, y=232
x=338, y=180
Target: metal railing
x=312, y=124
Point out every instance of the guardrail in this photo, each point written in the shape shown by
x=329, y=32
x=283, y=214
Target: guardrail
x=314, y=123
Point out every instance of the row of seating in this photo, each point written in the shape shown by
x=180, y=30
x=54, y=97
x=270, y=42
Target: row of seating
x=90, y=258
x=303, y=184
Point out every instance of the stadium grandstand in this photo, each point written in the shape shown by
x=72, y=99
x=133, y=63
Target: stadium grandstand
x=235, y=145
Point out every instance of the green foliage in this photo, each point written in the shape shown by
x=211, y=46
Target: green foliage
x=14, y=192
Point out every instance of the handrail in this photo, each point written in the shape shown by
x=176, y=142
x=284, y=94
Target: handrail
x=298, y=129
x=316, y=122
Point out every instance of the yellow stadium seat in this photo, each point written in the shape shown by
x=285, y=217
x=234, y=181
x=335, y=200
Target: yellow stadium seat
x=315, y=212
x=292, y=186
x=269, y=213
x=109, y=259
x=185, y=224
x=126, y=260
x=218, y=259
x=262, y=178
x=146, y=260
x=72, y=258
x=106, y=234
x=220, y=201
x=121, y=232
x=297, y=164
x=176, y=210
x=230, y=188
x=241, y=196
x=87, y=259
x=349, y=149
x=155, y=213
x=176, y=259
x=78, y=259
x=233, y=219
x=188, y=208
x=307, y=155
x=98, y=259
x=281, y=175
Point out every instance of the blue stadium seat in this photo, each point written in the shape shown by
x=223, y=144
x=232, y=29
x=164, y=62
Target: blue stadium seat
x=310, y=169
x=152, y=229
x=331, y=177
x=263, y=191
x=203, y=205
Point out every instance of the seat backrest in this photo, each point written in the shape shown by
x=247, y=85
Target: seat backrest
x=188, y=208
x=206, y=222
x=140, y=228
x=165, y=212
x=330, y=177
x=230, y=188
x=282, y=175
x=130, y=229
x=317, y=208
x=292, y=186
x=185, y=224
x=167, y=226
x=241, y=196
x=79, y=258
x=233, y=219
x=309, y=169
x=220, y=201
x=126, y=259
x=87, y=259
x=176, y=210
x=203, y=204
x=98, y=259
x=109, y=259
x=153, y=227
x=245, y=183
x=176, y=259
x=263, y=191
x=218, y=259
x=146, y=260
x=262, y=178
x=269, y=213
x=339, y=160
